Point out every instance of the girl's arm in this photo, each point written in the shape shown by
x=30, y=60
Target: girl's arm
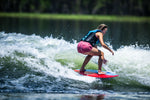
x=100, y=36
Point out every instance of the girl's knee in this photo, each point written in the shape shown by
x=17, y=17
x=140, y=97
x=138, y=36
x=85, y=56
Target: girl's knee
x=102, y=53
x=89, y=56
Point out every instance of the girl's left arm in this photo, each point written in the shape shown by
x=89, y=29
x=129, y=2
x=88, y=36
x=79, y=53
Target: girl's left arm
x=100, y=36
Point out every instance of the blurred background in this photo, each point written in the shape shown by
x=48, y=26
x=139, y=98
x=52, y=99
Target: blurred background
x=102, y=7
x=127, y=19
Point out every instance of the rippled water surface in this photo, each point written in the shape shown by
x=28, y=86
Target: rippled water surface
x=38, y=56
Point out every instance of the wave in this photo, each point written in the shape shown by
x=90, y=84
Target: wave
x=30, y=63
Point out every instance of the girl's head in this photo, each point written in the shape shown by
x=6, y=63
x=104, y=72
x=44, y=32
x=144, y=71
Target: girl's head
x=103, y=28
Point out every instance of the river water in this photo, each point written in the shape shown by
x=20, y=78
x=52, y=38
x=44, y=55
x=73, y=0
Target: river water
x=37, y=58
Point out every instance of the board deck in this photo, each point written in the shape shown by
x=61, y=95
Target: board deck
x=94, y=73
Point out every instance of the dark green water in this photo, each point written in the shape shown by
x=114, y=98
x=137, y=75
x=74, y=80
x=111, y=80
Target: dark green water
x=37, y=58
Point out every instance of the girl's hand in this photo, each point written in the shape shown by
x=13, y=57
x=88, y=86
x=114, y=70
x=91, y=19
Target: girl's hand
x=105, y=61
x=112, y=52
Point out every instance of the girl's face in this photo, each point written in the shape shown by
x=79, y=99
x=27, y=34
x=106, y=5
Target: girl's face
x=104, y=31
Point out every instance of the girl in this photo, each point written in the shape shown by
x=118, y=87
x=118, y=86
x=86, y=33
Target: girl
x=87, y=46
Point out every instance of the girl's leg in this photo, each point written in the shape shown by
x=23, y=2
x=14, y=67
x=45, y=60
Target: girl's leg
x=87, y=59
x=100, y=61
x=96, y=52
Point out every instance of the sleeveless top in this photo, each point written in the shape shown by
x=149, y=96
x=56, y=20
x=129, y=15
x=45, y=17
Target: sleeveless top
x=91, y=37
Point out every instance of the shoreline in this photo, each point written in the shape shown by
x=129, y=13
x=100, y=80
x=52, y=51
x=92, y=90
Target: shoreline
x=77, y=17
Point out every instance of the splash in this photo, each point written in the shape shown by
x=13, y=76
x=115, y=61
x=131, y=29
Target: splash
x=23, y=57
x=32, y=63
x=131, y=63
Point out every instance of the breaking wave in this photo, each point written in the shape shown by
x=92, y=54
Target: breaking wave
x=30, y=63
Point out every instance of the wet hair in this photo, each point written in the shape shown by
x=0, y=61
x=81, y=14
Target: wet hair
x=102, y=27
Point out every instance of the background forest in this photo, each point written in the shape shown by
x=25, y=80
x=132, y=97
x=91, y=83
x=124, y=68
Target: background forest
x=102, y=7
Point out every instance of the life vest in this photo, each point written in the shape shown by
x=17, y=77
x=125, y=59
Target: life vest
x=91, y=37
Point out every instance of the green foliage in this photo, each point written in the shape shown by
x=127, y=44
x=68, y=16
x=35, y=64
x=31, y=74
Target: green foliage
x=107, y=7
x=78, y=17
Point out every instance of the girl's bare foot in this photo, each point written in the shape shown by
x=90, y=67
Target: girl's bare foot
x=100, y=72
x=82, y=72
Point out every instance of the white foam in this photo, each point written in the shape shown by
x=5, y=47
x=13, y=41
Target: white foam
x=40, y=54
x=131, y=63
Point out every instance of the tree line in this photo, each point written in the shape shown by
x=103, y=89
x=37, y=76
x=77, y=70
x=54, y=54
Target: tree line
x=102, y=7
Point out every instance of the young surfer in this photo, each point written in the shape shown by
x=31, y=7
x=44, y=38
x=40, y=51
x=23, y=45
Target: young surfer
x=87, y=46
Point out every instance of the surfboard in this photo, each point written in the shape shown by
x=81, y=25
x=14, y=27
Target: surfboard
x=94, y=73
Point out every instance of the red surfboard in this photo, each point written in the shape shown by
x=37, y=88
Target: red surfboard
x=94, y=73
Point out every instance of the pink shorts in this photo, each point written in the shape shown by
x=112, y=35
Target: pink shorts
x=84, y=47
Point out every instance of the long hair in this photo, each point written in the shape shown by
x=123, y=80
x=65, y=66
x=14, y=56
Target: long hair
x=102, y=27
